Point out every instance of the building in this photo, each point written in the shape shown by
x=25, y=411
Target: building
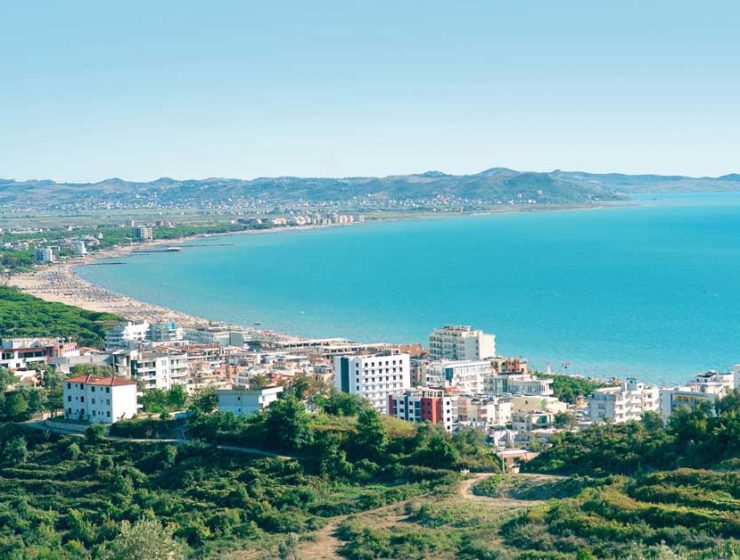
x=126, y=335
x=247, y=401
x=80, y=248
x=518, y=385
x=460, y=342
x=484, y=412
x=143, y=233
x=426, y=404
x=45, y=255
x=530, y=420
x=628, y=401
x=510, y=366
x=705, y=388
x=164, y=332
x=160, y=370
x=91, y=398
x=25, y=353
x=467, y=376
x=208, y=336
x=373, y=376
x=528, y=402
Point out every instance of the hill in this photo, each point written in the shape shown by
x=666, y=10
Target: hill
x=492, y=186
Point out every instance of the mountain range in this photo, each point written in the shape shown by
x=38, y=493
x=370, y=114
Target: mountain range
x=496, y=185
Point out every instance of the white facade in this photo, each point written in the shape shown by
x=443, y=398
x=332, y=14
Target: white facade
x=80, y=248
x=160, y=370
x=425, y=405
x=45, y=255
x=627, y=402
x=466, y=376
x=484, y=412
x=124, y=335
x=548, y=404
x=461, y=342
x=373, y=376
x=208, y=336
x=91, y=398
x=247, y=401
x=518, y=385
x=27, y=353
x=706, y=387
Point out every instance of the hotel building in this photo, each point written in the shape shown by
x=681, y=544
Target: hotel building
x=373, y=376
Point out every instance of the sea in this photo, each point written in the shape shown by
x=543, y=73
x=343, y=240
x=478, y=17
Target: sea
x=650, y=290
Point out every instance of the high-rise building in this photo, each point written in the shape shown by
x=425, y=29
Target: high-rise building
x=45, y=255
x=125, y=334
x=373, y=376
x=461, y=342
x=143, y=233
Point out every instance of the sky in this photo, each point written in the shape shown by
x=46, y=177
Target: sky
x=221, y=88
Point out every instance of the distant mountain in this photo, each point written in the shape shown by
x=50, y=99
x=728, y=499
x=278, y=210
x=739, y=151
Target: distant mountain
x=492, y=186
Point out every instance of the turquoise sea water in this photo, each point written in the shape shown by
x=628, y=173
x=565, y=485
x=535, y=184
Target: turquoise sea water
x=652, y=290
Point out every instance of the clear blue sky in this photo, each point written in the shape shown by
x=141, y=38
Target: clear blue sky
x=143, y=89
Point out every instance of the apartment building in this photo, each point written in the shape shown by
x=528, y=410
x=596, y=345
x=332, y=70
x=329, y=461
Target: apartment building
x=373, y=376
x=126, y=335
x=425, y=404
x=156, y=369
x=91, y=398
x=484, y=412
x=247, y=401
x=628, y=401
x=466, y=376
x=164, y=332
x=705, y=387
x=518, y=385
x=461, y=342
x=25, y=353
x=530, y=402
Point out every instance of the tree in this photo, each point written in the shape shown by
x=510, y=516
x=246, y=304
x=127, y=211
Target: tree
x=258, y=381
x=93, y=369
x=287, y=425
x=177, y=398
x=15, y=450
x=146, y=539
x=565, y=420
x=204, y=400
x=6, y=379
x=371, y=437
x=16, y=406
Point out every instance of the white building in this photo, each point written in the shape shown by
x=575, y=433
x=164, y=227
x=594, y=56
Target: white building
x=45, y=255
x=518, y=385
x=143, y=233
x=460, y=342
x=164, y=332
x=484, y=412
x=126, y=334
x=28, y=352
x=706, y=387
x=627, y=402
x=208, y=336
x=160, y=370
x=80, y=248
x=247, y=401
x=467, y=376
x=91, y=398
x=373, y=376
x=528, y=402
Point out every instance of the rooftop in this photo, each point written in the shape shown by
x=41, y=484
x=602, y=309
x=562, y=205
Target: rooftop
x=101, y=381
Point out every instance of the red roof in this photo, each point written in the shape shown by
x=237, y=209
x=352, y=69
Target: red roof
x=103, y=381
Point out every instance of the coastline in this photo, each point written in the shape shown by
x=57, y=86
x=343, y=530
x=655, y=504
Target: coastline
x=60, y=283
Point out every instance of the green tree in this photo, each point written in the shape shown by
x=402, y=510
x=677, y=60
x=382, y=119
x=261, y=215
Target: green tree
x=16, y=406
x=287, y=425
x=177, y=398
x=371, y=437
x=565, y=420
x=204, y=400
x=15, y=450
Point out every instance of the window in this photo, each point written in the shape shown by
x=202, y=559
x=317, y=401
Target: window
x=69, y=385
x=108, y=414
x=82, y=399
x=92, y=389
x=107, y=389
x=93, y=401
x=69, y=398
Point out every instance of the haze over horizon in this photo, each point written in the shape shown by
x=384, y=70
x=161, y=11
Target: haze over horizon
x=231, y=89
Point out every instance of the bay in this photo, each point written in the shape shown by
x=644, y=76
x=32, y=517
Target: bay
x=651, y=290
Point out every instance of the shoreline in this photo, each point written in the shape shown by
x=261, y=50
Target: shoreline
x=59, y=282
